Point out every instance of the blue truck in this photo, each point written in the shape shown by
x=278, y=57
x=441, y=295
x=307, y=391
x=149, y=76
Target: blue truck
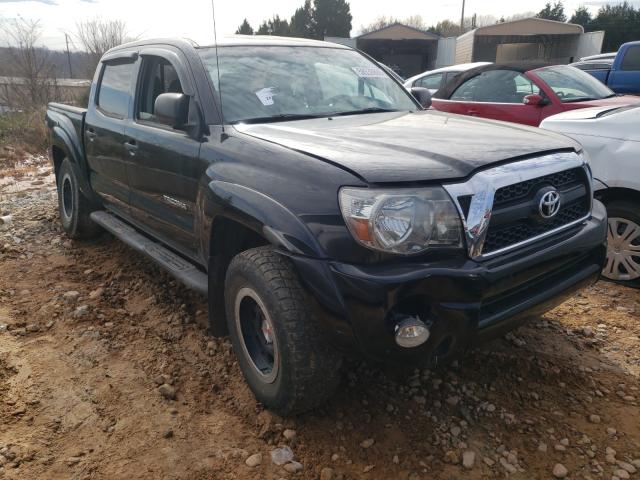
x=621, y=76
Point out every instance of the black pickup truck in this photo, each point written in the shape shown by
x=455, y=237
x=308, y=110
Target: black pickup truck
x=321, y=207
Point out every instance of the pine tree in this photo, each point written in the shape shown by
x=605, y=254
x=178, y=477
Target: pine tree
x=245, y=28
x=331, y=18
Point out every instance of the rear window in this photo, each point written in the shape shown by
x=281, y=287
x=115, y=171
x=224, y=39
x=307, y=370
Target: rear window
x=631, y=60
x=113, y=97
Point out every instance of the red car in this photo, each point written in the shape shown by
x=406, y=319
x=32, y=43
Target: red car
x=524, y=93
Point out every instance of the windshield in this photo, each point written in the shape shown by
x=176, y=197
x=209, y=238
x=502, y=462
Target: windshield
x=573, y=85
x=272, y=83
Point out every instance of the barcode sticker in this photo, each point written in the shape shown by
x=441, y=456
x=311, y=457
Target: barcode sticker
x=266, y=95
x=369, y=72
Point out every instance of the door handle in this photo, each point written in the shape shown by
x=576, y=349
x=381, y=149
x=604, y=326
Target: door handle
x=91, y=134
x=473, y=113
x=131, y=147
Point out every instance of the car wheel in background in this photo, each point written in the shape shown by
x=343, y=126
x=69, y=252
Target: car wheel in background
x=623, y=244
x=287, y=364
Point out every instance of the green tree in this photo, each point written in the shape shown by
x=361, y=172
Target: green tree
x=621, y=24
x=581, y=17
x=414, y=21
x=555, y=12
x=274, y=26
x=447, y=28
x=245, y=28
x=331, y=18
x=301, y=24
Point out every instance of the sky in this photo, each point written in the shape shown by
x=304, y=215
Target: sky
x=193, y=19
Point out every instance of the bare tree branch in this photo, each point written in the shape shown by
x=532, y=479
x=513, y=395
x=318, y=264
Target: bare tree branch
x=97, y=36
x=35, y=84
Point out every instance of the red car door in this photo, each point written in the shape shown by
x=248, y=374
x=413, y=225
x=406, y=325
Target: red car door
x=496, y=94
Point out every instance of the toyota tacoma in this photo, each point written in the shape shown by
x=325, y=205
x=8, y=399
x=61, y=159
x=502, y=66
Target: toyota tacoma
x=323, y=208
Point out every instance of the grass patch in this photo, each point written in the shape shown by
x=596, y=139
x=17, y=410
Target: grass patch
x=22, y=133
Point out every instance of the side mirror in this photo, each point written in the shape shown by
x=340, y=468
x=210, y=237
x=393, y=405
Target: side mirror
x=423, y=95
x=535, y=100
x=172, y=109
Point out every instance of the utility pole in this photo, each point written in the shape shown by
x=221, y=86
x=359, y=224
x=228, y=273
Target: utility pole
x=462, y=17
x=66, y=37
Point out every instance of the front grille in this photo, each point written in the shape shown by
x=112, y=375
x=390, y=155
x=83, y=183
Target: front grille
x=517, y=232
x=515, y=217
x=522, y=190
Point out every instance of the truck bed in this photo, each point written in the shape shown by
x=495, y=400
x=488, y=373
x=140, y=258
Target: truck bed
x=68, y=117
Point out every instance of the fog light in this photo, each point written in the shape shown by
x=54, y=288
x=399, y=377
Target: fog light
x=411, y=332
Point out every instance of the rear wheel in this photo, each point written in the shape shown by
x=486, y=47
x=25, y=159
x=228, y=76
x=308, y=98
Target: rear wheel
x=623, y=244
x=284, y=360
x=74, y=208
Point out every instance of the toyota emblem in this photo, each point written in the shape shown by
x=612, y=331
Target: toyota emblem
x=549, y=204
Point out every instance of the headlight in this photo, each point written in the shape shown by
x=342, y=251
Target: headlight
x=404, y=221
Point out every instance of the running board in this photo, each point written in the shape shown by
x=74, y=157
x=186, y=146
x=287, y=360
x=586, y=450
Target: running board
x=174, y=264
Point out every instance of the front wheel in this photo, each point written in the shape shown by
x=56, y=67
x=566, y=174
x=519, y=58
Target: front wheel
x=286, y=363
x=623, y=244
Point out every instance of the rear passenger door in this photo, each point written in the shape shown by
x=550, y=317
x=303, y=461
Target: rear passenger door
x=164, y=166
x=104, y=130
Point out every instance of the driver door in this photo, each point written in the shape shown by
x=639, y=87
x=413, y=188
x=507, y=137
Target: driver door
x=164, y=167
x=497, y=95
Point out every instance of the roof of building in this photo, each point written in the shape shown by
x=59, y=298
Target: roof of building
x=529, y=26
x=398, y=31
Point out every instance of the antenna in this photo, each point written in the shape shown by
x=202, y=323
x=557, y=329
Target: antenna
x=215, y=37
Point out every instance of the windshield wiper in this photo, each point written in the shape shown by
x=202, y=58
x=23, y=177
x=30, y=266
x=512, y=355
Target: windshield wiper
x=363, y=110
x=283, y=117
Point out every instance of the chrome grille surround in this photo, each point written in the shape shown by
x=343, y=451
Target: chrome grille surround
x=482, y=187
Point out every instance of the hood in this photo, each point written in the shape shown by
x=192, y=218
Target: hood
x=608, y=122
x=616, y=101
x=409, y=147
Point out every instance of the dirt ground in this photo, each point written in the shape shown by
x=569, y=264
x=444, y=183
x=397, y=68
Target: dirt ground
x=89, y=331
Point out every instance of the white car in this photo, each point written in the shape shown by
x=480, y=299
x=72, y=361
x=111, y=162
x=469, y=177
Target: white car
x=435, y=79
x=600, y=56
x=611, y=137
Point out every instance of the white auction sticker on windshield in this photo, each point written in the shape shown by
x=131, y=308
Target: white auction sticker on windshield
x=266, y=95
x=368, y=72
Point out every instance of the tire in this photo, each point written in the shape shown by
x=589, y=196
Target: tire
x=265, y=303
x=73, y=207
x=623, y=244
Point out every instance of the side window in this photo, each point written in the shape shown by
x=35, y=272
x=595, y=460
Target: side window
x=432, y=82
x=113, y=96
x=495, y=86
x=465, y=92
x=631, y=60
x=525, y=87
x=158, y=77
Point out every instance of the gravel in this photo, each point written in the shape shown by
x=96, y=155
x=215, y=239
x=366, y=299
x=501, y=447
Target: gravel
x=560, y=471
x=254, y=460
